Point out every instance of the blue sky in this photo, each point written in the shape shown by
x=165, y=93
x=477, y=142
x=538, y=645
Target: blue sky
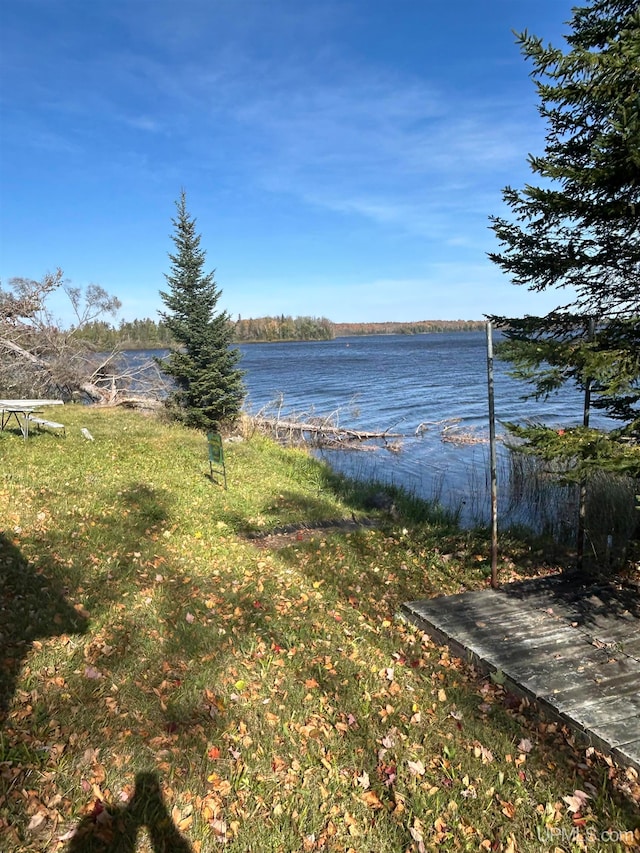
x=342, y=157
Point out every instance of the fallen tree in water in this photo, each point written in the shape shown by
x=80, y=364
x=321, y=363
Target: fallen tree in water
x=313, y=430
x=310, y=429
x=319, y=430
x=322, y=434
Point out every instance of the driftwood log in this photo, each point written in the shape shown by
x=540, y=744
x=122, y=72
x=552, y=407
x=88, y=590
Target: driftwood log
x=324, y=431
x=321, y=433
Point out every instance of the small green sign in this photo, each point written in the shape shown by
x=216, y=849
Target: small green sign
x=216, y=455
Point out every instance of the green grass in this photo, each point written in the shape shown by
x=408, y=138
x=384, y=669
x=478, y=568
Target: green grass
x=214, y=693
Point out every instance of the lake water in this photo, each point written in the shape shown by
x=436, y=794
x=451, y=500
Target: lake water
x=398, y=383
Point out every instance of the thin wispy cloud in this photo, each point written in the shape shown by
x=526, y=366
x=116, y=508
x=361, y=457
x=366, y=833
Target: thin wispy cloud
x=379, y=136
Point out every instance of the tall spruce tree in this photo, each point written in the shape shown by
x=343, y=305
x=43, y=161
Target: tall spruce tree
x=209, y=388
x=578, y=231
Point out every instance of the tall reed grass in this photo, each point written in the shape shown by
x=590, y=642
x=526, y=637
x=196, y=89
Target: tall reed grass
x=539, y=496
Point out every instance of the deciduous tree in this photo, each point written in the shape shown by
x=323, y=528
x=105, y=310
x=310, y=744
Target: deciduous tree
x=39, y=357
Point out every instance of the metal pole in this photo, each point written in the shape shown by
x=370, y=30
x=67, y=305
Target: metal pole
x=582, y=502
x=493, y=465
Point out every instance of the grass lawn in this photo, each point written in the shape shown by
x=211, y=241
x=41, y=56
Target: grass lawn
x=170, y=681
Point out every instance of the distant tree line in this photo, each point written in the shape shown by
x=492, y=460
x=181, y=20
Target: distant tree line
x=135, y=334
x=284, y=328
x=420, y=327
x=153, y=334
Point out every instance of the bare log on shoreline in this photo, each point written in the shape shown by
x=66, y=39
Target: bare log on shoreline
x=307, y=428
x=324, y=433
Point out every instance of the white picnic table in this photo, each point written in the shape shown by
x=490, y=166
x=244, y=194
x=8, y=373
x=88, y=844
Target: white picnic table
x=23, y=411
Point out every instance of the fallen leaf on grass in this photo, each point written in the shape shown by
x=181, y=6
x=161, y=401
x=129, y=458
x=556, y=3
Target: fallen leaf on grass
x=371, y=799
x=576, y=801
x=511, y=845
x=388, y=774
x=363, y=780
x=482, y=752
x=222, y=786
x=220, y=829
x=92, y=672
x=68, y=835
x=36, y=821
x=182, y=820
x=439, y=824
x=508, y=809
x=418, y=838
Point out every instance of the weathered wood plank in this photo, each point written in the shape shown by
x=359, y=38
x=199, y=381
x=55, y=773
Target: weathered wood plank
x=621, y=732
x=599, y=711
x=631, y=648
x=573, y=647
x=581, y=695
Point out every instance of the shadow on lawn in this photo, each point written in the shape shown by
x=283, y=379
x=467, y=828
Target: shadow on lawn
x=115, y=829
x=32, y=606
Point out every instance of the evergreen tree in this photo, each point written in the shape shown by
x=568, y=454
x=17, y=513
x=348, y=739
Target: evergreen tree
x=578, y=231
x=203, y=363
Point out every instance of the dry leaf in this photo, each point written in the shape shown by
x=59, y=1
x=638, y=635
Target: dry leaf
x=372, y=800
x=508, y=809
x=525, y=745
x=219, y=827
x=92, y=672
x=36, y=821
x=363, y=780
x=418, y=838
x=576, y=801
x=68, y=835
x=482, y=752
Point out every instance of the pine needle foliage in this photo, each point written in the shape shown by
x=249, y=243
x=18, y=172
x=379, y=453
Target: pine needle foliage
x=577, y=229
x=209, y=388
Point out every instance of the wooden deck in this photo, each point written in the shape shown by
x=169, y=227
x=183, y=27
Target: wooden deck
x=573, y=647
